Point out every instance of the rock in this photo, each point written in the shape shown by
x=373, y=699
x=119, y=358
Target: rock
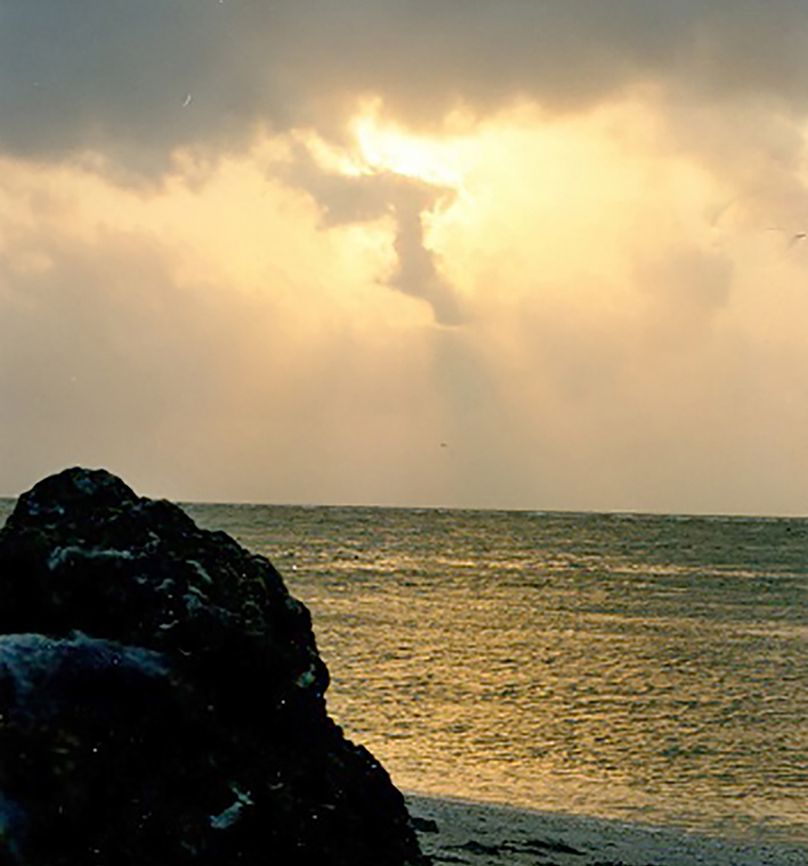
x=425, y=825
x=162, y=699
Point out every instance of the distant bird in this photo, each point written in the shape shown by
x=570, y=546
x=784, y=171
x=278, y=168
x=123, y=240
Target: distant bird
x=443, y=445
x=187, y=101
x=793, y=237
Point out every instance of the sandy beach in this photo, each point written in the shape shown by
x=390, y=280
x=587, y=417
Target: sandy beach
x=458, y=832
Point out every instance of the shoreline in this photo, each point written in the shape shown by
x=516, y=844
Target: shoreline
x=454, y=831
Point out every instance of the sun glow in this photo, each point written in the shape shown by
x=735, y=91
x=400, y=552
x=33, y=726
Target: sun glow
x=386, y=147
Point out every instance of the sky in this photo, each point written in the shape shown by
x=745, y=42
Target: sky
x=479, y=253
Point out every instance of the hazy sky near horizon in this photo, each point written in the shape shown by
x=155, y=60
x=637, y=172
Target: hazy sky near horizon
x=521, y=254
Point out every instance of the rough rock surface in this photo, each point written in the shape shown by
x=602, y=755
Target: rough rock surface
x=161, y=699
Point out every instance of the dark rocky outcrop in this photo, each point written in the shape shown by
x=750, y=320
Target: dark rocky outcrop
x=161, y=699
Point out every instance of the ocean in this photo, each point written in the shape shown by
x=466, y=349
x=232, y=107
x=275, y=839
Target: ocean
x=650, y=669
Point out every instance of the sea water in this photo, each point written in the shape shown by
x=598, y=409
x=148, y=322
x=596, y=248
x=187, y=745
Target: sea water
x=652, y=669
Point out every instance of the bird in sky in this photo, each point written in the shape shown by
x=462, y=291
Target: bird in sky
x=793, y=237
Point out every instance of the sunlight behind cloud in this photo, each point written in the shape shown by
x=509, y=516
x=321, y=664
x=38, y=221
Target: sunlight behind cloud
x=552, y=295
x=385, y=146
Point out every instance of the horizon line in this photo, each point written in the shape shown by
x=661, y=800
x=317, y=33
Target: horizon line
x=593, y=512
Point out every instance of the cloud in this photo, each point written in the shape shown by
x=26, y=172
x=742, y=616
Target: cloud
x=191, y=299
x=112, y=76
x=132, y=341
x=355, y=199
x=686, y=289
x=102, y=351
x=417, y=273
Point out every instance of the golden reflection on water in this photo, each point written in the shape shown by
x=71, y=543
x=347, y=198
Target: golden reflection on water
x=651, y=669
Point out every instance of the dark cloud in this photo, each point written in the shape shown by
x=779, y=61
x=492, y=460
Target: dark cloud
x=114, y=75
x=417, y=273
x=355, y=199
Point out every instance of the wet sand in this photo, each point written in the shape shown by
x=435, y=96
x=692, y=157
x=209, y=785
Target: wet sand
x=457, y=832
